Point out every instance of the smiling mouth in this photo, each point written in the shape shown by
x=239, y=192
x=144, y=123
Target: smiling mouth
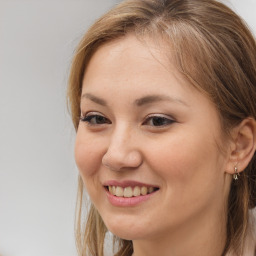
x=130, y=191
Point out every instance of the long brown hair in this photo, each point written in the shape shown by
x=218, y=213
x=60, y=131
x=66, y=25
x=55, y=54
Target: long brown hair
x=216, y=52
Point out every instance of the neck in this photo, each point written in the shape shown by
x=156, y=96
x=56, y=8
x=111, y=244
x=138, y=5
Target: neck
x=205, y=235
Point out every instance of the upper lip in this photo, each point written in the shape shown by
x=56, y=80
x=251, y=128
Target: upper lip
x=127, y=183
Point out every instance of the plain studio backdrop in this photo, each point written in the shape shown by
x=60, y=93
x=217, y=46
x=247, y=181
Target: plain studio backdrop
x=38, y=176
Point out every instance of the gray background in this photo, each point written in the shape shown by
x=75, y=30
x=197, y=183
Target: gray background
x=37, y=170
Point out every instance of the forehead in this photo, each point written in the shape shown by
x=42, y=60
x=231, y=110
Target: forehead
x=133, y=58
x=127, y=47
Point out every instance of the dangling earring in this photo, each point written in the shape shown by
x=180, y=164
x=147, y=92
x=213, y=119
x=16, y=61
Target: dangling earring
x=236, y=174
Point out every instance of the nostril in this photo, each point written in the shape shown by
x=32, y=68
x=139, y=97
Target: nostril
x=110, y=167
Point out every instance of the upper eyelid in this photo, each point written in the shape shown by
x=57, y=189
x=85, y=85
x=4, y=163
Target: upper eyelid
x=160, y=115
x=92, y=113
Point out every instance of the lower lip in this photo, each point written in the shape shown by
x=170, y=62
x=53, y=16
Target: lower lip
x=128, y=201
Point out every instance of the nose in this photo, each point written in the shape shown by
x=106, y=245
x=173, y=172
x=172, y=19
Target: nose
x=122, y=152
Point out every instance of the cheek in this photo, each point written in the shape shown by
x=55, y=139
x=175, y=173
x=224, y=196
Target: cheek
x=190, y=176
x=88, y=156
x=181, y=161
x=86, y=159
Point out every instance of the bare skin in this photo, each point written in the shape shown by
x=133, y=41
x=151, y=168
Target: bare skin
x=143, y=122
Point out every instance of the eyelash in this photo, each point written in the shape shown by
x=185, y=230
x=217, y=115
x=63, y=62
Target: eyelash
x=164, y=121
x=89, y=117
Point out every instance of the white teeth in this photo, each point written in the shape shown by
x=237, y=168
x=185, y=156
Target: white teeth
x=119, y=192
x=129, y=191
x=136, y=191
x=113, y=190
x=144, y=191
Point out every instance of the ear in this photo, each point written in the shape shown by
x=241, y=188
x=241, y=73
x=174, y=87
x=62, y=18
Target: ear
x=243, y=145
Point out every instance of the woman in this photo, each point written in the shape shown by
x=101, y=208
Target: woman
x=162, y=95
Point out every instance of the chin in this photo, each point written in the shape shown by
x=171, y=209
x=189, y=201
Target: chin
x=126, y=234
x=126, y=230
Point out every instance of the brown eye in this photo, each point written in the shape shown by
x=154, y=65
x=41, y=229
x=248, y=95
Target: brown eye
x=158, y=121
x=95, y=119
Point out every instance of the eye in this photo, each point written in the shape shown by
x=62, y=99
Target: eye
x=94, y=119
x=158, y=121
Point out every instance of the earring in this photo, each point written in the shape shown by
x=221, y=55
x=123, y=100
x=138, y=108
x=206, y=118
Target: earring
x=236, y=174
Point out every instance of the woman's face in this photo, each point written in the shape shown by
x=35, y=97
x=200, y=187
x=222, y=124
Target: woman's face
x=146, y=145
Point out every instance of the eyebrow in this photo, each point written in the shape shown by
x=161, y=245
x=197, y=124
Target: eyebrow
x=95, y=99
x=156, y=98
x=138, y=102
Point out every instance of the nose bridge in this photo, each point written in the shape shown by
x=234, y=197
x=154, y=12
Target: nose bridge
x=121, y=136
x=122, y=149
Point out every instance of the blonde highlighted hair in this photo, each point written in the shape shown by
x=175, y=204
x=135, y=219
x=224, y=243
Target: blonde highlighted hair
x=213, y=48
